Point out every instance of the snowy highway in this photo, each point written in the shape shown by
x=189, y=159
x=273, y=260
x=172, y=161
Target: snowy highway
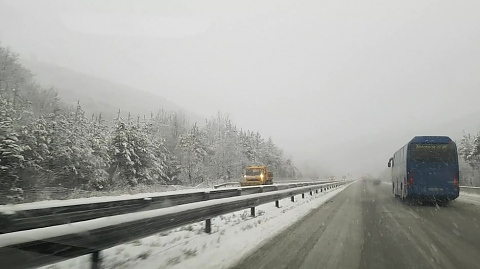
x=364, y=226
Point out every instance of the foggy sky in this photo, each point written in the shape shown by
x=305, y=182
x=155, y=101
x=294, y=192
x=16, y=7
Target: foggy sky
x=340, y=84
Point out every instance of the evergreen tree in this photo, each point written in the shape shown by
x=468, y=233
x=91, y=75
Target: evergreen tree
x=98, y=140
x=45, y=143
x=11, y=158
x=193, y=148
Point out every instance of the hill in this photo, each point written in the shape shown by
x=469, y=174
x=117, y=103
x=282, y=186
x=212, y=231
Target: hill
x=101, y=96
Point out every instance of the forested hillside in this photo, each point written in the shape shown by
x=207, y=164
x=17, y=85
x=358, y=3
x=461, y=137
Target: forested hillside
x=46, y=143
x=98, y=95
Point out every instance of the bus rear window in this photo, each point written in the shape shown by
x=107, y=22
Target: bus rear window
x=433, y=153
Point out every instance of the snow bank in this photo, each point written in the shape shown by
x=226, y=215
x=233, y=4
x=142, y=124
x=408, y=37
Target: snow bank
x=469, y=198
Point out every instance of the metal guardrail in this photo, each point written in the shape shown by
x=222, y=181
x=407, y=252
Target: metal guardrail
x=226, y=184
x=31, y=195
x=38, y=247
x=27, y=218
x=237, y=183
x=470, y=189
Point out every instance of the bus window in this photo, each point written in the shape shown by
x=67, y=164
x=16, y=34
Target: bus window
x=433, y=153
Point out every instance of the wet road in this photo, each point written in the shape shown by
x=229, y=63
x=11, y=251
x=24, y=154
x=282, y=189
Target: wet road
x=366, y=227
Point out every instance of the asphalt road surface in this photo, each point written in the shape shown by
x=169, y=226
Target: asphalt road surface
x=364, y=226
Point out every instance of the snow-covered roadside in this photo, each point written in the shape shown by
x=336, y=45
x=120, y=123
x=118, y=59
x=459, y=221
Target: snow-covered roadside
x=469, y=194
x=233, y=235
x=470, y=190
x=469, y=198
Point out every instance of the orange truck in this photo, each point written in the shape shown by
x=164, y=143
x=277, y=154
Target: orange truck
x=257, y=175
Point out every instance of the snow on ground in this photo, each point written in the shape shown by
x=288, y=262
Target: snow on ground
x=471, y=198
x=470, y=190
x=233, y=236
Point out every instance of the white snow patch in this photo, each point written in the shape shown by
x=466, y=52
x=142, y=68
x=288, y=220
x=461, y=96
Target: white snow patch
x=233, y=236
x=469, y=198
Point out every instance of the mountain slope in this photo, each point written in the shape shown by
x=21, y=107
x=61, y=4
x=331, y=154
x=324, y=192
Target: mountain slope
x=101, y=96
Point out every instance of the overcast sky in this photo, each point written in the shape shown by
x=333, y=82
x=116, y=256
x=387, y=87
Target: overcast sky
x=341, y=84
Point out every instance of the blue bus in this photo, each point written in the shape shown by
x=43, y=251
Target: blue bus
x=426, y=168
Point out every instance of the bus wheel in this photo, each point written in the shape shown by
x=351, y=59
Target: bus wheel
x=442, y=203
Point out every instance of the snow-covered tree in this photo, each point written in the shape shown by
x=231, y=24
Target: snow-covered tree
x=122, y=156
x=45, y=143
x=98, y=141
x=34, y=137
x=469, y=159
x=11, y=150
x=193, y=150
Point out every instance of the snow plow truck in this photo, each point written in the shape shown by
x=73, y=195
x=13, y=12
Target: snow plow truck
x=257, y=175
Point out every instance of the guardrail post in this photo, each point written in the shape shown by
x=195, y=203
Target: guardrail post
x=207, y=195
x=252, y=211
x=277, y=204
x=96, y=260
x=292, y=199
x=239, y=192
x=208, y=222
x=311, y=193
x=303, y=195
x=208, y=226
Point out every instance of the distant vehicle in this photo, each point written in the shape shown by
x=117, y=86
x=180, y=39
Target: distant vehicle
x=377, y=182
x=257, y=175
x=426, y=168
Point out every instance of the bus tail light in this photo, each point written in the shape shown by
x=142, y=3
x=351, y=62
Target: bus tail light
x=410, y=179
x=455, y=180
